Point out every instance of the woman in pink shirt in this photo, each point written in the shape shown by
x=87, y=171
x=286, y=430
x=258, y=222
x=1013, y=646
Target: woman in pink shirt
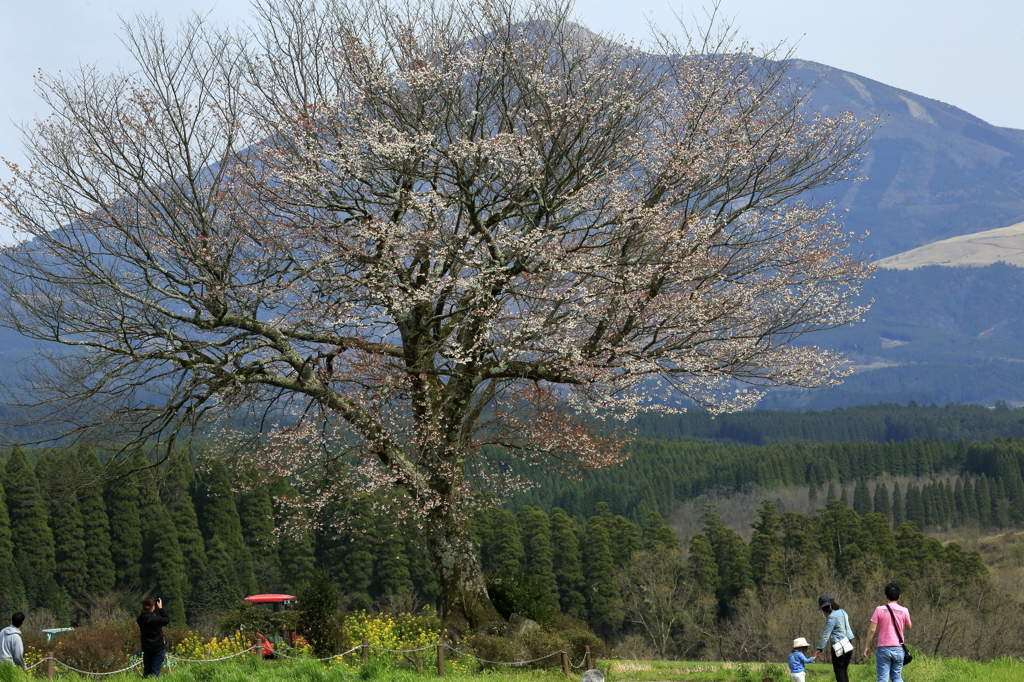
x=891, y=621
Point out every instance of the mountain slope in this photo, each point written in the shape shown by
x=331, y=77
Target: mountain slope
x=934, y=171
x=1004, y=245
x=935, y=334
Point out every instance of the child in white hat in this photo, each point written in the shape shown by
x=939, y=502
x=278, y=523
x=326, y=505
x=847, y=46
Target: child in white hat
x=798, y=659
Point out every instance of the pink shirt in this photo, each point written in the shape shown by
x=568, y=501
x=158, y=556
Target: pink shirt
x=886, y=633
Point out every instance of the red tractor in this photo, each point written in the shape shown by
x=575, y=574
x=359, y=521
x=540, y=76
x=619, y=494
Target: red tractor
x=275, y=603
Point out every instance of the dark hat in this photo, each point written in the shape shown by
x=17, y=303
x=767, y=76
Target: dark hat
x=825, y=600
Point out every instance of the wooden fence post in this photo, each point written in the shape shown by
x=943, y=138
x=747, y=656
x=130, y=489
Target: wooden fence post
x=589, y=658
x=440, y=657
x=258, y=650
x=565, y=663
x=366, y=650
x=49, y=664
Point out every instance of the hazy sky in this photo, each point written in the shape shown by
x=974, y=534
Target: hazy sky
x=969, y=54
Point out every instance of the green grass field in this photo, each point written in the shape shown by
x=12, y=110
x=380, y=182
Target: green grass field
x=921, y=670
x=248, y=669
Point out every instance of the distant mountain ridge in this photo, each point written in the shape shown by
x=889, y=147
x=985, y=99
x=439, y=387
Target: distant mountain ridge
x=934, y=171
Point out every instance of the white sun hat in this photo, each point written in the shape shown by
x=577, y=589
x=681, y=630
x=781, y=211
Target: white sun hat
x=799, y=642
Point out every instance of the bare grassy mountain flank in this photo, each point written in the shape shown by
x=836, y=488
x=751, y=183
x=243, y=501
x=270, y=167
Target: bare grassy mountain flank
x=1003, y=245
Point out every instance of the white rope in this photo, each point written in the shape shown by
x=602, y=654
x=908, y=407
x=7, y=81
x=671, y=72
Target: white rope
x=40, y=662
x=399, y=651
x=86, y=672
x=211, y=660
x=329, y=658
x=433, y=646
x=577, y=667
x=484, y=660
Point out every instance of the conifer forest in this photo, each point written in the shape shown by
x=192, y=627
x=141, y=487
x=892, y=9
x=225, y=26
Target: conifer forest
x=600, y=550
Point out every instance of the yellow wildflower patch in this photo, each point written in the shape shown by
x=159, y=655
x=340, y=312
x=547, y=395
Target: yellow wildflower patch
x=201, y=649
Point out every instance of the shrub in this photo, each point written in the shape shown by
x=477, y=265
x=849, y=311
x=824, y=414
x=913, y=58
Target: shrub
x=289, y=620
x=245, y=617
x=172, y=636
x=309, y=671
x=98, y=649
x=10, y=673
x=633, y=647
x=399, y=631
x=776, y=671
x=319, y=623
x=752, y=672
x=403, y=631
x=578, y=635
x=494, y=648
x=540, y=643
x=578, y=640
x=514, y=593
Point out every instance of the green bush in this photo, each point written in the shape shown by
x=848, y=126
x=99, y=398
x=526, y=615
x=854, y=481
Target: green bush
x=205, y=672
x=98, y=649
x=514, y=593
x=320, y=623
x=11, y=673
x=495, y=648
x=540, y=643
x=578, y=635
x=245, y=617
x=777, y=672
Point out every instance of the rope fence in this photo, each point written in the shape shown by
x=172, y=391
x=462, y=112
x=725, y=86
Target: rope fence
x=329, y=658
x=39, y=663
x=211, y=660
x=364, y=648
x=136, y=664
x=580, y=664
x=484, y=660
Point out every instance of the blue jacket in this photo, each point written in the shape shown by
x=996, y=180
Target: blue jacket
x=797, y=661
x=837, y=626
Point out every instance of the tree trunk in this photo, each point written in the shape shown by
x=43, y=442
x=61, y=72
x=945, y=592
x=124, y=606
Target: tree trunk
x=465, y=604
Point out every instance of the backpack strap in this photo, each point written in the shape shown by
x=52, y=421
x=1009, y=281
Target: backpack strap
x=895, y=627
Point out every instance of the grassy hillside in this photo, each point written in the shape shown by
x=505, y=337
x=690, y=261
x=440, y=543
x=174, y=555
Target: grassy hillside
x=1005, y=244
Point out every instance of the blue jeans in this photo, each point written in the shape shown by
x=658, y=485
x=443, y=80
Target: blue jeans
x=889, y=663
x=152, y=661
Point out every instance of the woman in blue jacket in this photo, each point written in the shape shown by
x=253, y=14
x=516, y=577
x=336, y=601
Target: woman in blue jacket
x=837, y=626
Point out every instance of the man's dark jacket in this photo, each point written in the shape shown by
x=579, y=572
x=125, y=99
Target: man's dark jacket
x=150, y=627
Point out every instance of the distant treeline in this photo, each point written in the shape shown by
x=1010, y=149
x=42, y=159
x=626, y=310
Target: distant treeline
x=662, y=473
x=880, y=423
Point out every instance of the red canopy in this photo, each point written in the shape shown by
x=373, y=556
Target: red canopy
x=268, y=598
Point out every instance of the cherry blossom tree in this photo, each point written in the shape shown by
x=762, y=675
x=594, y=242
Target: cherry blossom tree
x=407, y=237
